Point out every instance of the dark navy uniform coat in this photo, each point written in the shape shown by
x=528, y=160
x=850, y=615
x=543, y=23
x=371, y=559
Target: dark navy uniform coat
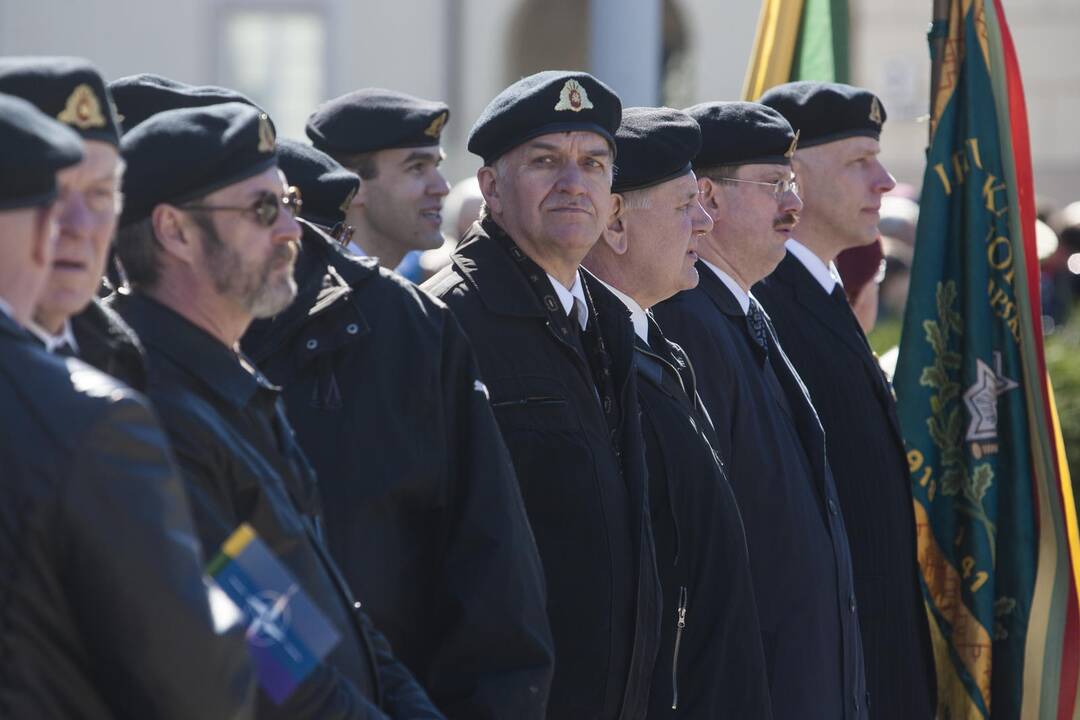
x=867, y=457
x=774, y=450
x=421, y=505
x=711, y=663
x=571, y=420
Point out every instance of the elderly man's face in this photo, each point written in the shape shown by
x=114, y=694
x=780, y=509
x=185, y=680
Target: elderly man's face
x=87, y=211
x=842, y=183
x=248, y=263
x=552, y=194
x=664, y=225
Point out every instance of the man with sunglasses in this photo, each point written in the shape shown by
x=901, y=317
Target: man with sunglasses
x=837, y=163
x=104, y=613
x=421, y=503
x=69, y=320
x=391, y=140
x=768, y=433
x=208, y=247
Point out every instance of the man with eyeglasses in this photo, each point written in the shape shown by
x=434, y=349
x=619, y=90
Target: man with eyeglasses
x=768, y=433
x=68, y=319
x=844, y=181
x=208, y=247
x=391, y=140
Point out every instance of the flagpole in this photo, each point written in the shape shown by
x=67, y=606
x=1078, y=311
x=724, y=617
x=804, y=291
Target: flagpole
x=937, y=35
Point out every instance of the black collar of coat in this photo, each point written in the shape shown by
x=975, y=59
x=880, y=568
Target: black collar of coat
x=325, y=277
x=192, y=349
x=718, y=292
x=12, y=329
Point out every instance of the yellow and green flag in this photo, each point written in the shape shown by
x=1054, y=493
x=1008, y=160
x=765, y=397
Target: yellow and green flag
x=997, y=533
x=798, y=40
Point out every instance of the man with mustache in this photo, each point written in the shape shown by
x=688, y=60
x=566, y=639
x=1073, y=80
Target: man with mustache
x=556, y=352
x=391, y=140
x=68, y=319
x=843, y=182
x=208, y=247
x=104, y=613
x=710, y=663
x=768, y=433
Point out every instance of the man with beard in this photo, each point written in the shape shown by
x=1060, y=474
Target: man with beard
x=556, y=351
x=208, y=246
x=422, y=507
x=68, y=319
x=843, y=182
x=103, y=612
x=710, y=663
x=768, y=433
x=391, y=140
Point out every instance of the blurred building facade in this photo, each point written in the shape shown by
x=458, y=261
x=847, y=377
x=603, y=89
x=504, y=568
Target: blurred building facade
x=289, y=55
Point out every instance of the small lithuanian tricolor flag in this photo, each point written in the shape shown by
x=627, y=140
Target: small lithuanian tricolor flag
x=798, y=40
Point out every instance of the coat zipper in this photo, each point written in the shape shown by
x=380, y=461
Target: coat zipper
x=680, y=624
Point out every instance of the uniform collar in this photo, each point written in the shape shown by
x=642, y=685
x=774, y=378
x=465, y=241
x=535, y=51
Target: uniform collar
x=572, y=298
x=826, y=275
x=52, y=342
x=638, y=317
x=7, y=310
x=741, y=296
x=224, y=371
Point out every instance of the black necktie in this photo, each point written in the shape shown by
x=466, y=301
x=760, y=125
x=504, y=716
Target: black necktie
x=64, y=349
x=755, y=322
x=838, y=295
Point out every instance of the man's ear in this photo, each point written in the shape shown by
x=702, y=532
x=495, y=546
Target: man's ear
x=45, y=234
x=175, y=232
x=489, y=188
x=614, y=235
x=708, y=190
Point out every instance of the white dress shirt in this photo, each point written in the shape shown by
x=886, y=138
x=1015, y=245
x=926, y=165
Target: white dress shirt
x=741, y=295
x=638, y=316
x=52, y=342
x=572, y=297
x=826, y=275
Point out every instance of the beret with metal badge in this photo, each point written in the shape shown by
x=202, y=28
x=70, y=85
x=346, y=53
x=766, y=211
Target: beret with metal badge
x=179, y=155
x=742, y=133
x=825, y=112
x=552, y=101
x=654, y=145
x=69, y=89
x=375, y=119
x=33, y=147
x=138, y=97
x=327, y=187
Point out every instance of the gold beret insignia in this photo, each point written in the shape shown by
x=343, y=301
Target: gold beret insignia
x=82, y=109
x=573, y=97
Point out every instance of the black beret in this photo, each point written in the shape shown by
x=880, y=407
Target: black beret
x=742, y=133
x=179, y=155
x=375, y=119
x=66, y=88
x=548, y=102
x=137, y=97
x=33, y=147
x=654, y=145
x=823, y=112
x=327, y=187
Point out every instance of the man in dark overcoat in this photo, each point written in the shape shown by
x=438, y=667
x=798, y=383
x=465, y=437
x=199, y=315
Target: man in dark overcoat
x=711, y=662
x=556, y=353
x=768, y=433
x=842, y=183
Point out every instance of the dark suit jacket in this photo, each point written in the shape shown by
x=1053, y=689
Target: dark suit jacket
x=581, y=468
x=711, y=663
x=867, y=456
x=799, y=554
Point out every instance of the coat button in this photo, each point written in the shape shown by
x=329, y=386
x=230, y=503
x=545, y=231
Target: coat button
x=352, y=328
x=312, y=344
x=851, y=605
x=832, y=507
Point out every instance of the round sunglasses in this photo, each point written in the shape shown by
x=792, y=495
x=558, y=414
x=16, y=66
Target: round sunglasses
x=266, y=207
